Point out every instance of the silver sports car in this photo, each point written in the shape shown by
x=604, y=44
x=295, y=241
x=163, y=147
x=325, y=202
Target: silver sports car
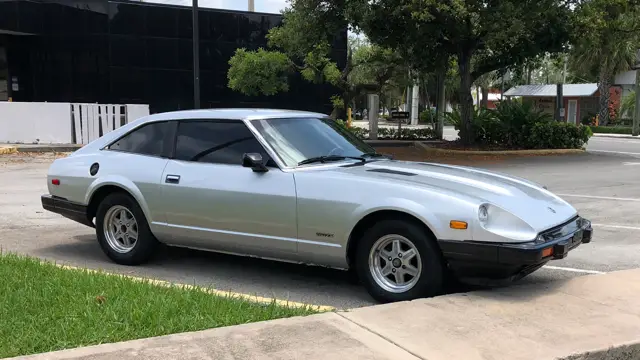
x=295, y=186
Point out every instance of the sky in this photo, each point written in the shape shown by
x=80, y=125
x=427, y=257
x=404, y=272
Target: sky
x=267, y=6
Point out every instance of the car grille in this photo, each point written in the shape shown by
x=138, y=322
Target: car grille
x=562, y=230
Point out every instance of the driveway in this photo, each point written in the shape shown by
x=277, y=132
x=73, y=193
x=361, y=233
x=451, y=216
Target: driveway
x=604, y=187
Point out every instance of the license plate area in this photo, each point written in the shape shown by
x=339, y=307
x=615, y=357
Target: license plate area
x=576, y=239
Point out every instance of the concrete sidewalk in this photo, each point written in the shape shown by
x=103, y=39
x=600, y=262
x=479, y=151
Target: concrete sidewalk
x=597, y=313
x=617, y=136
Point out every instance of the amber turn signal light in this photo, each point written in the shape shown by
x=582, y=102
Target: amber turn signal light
x=547, y=252
x=458, y=225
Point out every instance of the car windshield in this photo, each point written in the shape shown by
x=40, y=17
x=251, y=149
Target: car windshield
x=296, y=141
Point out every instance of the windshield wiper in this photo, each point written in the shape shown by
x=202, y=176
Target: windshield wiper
x=326, y=158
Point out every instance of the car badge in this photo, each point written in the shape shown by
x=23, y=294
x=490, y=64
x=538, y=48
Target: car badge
x=551, y=209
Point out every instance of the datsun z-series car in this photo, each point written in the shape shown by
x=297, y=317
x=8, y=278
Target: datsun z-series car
x=295, y=186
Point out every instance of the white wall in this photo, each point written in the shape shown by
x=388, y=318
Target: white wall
x=33, y=122
x=136, y=111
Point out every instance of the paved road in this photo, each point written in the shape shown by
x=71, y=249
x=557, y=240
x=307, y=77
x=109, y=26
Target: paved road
x=603, y=186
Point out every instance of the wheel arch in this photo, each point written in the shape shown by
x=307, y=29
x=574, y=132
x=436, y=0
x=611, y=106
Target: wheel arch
x=383, y=214
x=99, y=192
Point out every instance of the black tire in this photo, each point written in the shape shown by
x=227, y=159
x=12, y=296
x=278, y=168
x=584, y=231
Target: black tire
x=430, y=281
x=146, y=244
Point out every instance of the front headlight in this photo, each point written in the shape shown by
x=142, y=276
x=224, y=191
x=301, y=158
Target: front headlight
x=483, y=214
x=503, y=223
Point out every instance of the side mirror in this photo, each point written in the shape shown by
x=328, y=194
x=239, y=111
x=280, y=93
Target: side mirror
x=254, y=161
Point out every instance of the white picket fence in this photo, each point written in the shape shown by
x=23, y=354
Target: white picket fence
x=91, y=121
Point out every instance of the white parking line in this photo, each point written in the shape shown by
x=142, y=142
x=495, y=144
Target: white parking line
x=573, y=269
x=600, y=197
x=631, y=163
x=618, y=226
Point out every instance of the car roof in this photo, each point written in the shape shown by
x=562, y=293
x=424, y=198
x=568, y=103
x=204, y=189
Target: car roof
x=232, y=114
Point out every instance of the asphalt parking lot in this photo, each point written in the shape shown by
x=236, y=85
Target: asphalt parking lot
x=603, y=186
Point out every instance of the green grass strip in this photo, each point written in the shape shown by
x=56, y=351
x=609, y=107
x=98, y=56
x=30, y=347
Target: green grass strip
x=611, y=129
x=46, y=308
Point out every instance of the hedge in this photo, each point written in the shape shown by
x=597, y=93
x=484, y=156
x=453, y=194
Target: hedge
x=611, y=129
x=516, y=125
x=385, y=133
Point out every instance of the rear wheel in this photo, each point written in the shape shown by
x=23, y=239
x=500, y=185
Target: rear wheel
x=123, y=231
x=397, y=260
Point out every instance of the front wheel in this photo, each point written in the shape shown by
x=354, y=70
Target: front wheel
x=123, y=231
x=398, y=261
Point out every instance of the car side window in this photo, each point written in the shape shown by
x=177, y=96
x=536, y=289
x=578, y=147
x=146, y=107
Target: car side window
x=217, y=142
x=149, y=139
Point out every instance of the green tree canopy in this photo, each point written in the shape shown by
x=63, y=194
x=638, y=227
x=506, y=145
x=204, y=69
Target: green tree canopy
x=483, y=36
x=302, y=44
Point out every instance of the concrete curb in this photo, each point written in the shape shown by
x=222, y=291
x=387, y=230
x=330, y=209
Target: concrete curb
x=616, y=136
x=538, y=152
x=221, y=293
x=7, y=150
x=47, y=148
x=399, y=143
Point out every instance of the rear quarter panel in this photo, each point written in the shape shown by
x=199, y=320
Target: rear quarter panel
x=137, y=174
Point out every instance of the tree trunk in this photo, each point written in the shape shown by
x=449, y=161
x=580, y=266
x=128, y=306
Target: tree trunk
x=478, y=92
x=485, y=97
x=334, y=114
x=441, y=103
x=529, y=71
x=604, y=86
x=465, y=98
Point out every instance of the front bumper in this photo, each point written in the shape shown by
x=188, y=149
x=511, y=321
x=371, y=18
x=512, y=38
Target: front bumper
x=481, y=262
x=69, y=209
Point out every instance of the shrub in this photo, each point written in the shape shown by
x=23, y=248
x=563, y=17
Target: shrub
x=427, y=116
x=625, y=122
x=558, y=135
x=517, y=121
x=362, y=133
x=485, y=128
x=406, y=134
x=392, y=133
x=588, y=119
x=519, y=125
x=611, y=129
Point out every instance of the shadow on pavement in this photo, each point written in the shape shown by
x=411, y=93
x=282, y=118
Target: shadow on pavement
x=238, y=273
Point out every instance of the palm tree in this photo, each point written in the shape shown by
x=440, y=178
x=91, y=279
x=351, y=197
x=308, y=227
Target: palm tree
x=606, y=51
x=628, y=106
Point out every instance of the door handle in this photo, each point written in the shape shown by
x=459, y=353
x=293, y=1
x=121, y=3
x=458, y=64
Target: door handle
x=172, y=179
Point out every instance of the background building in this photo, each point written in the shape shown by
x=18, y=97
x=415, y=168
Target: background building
x=131, y=52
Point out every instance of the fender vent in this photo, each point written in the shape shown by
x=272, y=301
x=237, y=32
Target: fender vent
x=394, y=172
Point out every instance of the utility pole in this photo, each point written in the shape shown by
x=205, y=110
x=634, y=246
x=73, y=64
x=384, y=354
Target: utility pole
x=196, y=57
x=635, y=130
x=252, y=5
x=559, y=103
x=564, y=71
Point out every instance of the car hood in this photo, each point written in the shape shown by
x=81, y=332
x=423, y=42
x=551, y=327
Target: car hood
x=527, y=200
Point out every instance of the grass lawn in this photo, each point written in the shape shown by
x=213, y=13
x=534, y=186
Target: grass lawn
x=611, y=129
x=45, y=308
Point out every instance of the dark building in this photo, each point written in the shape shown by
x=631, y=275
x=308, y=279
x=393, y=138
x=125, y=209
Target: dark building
x=129, y=52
